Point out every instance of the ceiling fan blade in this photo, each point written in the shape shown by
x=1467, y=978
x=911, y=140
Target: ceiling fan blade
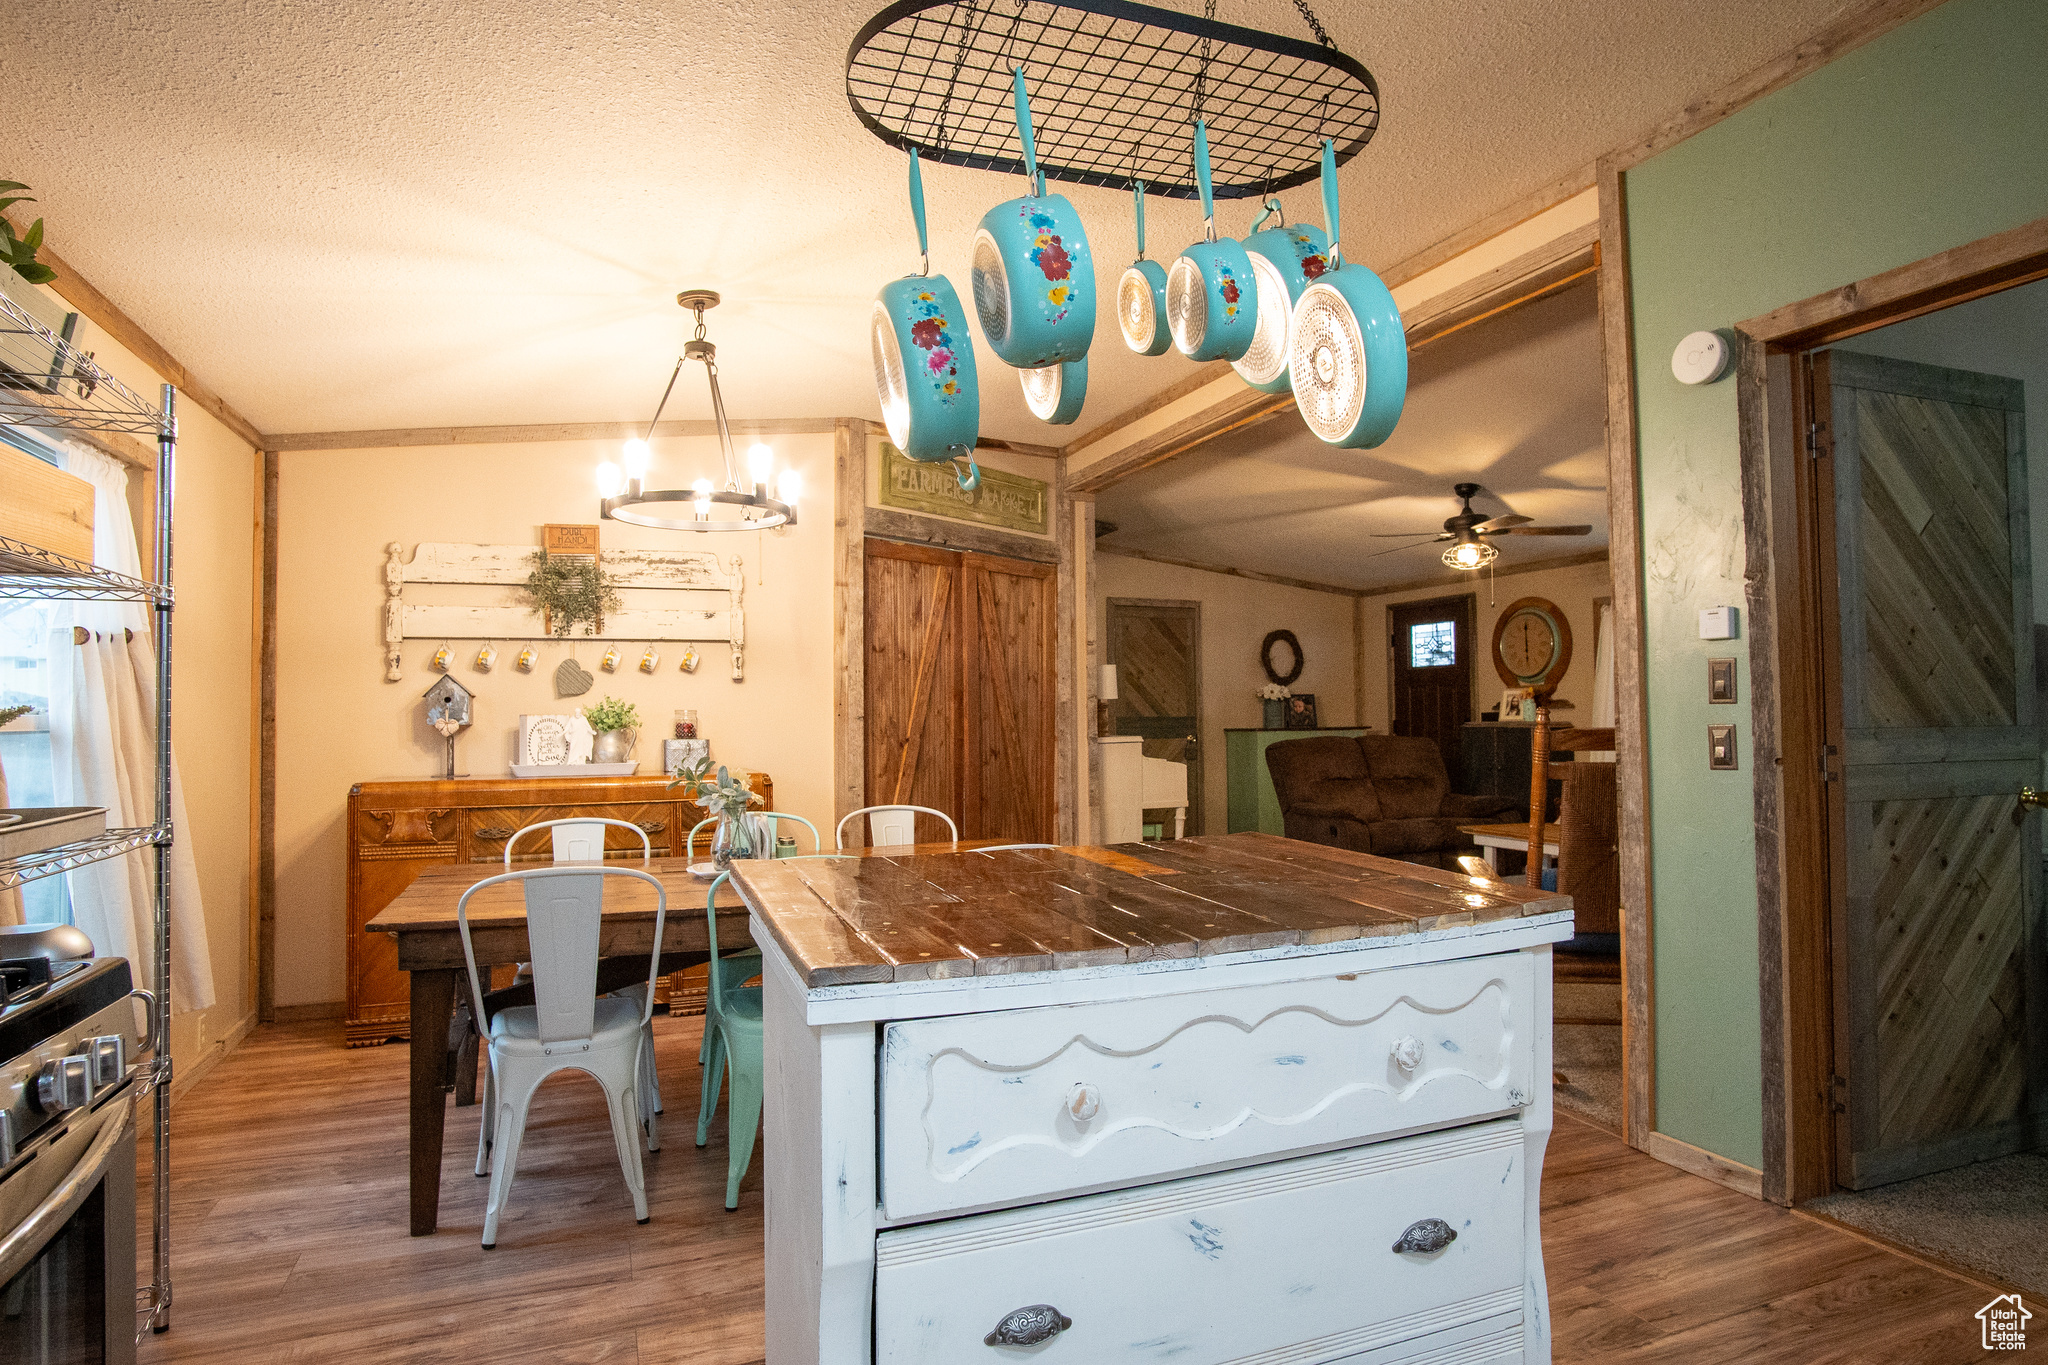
x=1546, y=531
x=1406, y=535
x=1502, y=523
x=1392, y=549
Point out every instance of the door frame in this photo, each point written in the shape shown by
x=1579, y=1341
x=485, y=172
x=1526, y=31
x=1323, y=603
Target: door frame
x=1198, y=798
x=1785, y=531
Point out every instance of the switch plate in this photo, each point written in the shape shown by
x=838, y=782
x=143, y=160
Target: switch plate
x=1721, y=682
x=1717, y=623
x=1721, y=747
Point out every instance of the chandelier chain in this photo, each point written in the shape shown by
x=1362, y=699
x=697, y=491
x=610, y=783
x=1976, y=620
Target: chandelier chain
x=1315, y=25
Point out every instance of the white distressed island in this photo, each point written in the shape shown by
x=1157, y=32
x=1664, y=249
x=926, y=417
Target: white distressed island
x=1222, y=1101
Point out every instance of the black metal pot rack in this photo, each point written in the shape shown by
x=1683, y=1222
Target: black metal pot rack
x=1115, y=90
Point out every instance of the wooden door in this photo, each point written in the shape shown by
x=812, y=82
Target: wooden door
x=1157, y=649
x=1431, y=644
x=960, y=690
x=1936, y=875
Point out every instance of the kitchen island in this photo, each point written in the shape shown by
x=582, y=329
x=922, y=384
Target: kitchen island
x=1230, y=1099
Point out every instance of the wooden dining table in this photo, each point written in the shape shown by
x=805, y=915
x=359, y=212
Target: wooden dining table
x=422, y=922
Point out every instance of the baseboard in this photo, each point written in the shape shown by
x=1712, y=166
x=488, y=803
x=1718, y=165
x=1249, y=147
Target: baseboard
x=191, y=1075
x=306, y=1014
x=1697, y=1161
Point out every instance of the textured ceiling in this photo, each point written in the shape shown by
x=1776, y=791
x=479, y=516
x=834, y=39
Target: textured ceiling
x=1515, y=404
x=383, y=213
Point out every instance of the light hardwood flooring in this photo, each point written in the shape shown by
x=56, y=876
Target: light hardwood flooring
x=289, y=1219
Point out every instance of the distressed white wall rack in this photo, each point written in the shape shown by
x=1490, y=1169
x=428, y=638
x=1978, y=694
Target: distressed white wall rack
x=702, y=597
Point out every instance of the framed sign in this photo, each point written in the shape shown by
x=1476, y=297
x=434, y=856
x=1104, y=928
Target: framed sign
x=1011, y=501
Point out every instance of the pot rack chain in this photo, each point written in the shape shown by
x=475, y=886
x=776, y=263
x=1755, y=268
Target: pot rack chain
x=1114, y=88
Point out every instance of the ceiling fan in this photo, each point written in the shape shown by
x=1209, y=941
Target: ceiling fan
x=1470, y=533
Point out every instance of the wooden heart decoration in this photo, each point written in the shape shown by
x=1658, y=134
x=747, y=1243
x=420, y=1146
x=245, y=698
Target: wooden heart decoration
x=571, y=680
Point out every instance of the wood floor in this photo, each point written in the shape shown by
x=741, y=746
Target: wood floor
x=289, y=1221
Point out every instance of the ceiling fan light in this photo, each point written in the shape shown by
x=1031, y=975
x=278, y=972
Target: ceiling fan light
x=1470, y=554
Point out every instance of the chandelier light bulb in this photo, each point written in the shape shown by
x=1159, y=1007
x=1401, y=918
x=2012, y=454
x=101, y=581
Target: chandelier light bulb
x=702, y=488
x=789, y=487
x=1468, y=556
x=608, y=480
x=636, y=457
x=760, y=465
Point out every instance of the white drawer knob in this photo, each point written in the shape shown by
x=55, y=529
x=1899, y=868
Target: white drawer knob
x=1407, y=1053
x=1084, y=1101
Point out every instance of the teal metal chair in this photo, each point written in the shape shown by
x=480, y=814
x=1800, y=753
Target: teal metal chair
x=732, y=1039
x=745, y=964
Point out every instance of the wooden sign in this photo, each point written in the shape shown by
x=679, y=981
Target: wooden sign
x=571, y=542
x=1011, y=501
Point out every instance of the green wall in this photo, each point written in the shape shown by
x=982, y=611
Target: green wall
x=1932, y=136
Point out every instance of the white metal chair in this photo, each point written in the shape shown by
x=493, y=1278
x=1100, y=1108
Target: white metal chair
x=740, y=967
x=568, y=1027
x=580, y=839
x=894, y=826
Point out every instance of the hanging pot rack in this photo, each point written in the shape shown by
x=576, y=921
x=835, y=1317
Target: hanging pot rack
x=1116, y=88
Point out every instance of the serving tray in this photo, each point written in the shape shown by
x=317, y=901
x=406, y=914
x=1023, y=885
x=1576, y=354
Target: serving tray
x=31, y=829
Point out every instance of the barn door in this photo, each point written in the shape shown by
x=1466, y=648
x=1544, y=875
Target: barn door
x=913, y=667
x=960, y=690
x=1009, y=608
x=1938, y=909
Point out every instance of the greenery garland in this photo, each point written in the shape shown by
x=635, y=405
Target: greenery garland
x=571, y=591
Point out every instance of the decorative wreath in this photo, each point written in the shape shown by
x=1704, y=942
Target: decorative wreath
x=1279, y=637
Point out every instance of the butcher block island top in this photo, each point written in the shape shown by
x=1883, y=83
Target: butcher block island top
x=935, y=916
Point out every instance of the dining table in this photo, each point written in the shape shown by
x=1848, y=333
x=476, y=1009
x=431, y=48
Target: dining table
x=422, y=921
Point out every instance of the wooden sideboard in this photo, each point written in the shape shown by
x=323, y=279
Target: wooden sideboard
x=397, y=828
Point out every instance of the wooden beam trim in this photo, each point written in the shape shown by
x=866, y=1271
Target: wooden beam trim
x=1067, y=654
x=849, y=617
x=1229, y=572
x=1203, y=376
x=266, y=750
x=1624, y=530
x=393, y=437
x=81, y=294
x=1246, y=408
x=1543, y=267
x=888, y=524
x=1503, y=219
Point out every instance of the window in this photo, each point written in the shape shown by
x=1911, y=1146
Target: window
x=1433, y=644
x=25, y=629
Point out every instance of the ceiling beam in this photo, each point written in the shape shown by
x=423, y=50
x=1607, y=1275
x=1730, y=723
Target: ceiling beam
x=1229, y=572
x=81, y=294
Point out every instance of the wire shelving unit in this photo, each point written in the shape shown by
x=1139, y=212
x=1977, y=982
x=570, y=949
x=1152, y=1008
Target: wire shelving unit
x=47, y=384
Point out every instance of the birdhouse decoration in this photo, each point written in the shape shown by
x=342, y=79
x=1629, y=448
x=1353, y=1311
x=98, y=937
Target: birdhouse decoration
x=448, y=710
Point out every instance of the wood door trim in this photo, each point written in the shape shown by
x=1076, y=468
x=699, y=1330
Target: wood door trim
x=907, y=528
x=849, y=618
x=1794, y=653
x=1197, y=805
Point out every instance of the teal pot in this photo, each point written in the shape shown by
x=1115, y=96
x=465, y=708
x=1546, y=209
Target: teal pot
x=924, y=369
x=1285, y=261
x=1348, y=357
x=924, y=357
x=1212, y=300
x=1141, y=295
x=1032, y=273
x=1054, y=393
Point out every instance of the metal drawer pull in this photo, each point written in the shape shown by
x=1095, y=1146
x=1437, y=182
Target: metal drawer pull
x=493, y=832
x=1407, y=1053
x=1028, y=1326
x=1084, y=1102
x=1429, y=1236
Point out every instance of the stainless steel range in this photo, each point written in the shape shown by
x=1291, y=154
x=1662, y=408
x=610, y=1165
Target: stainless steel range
x=73, y=1034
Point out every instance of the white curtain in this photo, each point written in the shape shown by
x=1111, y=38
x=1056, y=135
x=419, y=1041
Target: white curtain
x=1603, y=668
x=103, y=753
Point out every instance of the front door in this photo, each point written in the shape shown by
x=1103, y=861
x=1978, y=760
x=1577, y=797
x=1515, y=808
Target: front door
x=1936, y=872
x=1432, y=648
x=1157, y=649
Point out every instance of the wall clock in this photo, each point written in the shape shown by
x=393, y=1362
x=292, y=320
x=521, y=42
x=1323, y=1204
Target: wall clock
x=1532, y=645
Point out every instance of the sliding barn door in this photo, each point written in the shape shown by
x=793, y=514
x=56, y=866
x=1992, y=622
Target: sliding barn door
x=914, y=715
x=1009, y=614
x=1938, y=942
x=960, y=689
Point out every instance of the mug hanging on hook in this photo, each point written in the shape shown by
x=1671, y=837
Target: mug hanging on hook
x=924, y=357
x=1211, y=300
x=1141, y=294
x=1033, y=275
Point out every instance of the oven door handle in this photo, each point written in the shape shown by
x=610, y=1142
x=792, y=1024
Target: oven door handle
x=21, y=1246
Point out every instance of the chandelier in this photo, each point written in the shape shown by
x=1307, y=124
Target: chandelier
x=627, y=499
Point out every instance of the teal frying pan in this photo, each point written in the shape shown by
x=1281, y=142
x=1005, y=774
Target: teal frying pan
x=1212, y=302
x=1348, y=356
x=1141, y=295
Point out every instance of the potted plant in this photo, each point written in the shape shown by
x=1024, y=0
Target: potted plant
x=1274, y=697
x=617, y=724
x=726, y=797
x=569, y=592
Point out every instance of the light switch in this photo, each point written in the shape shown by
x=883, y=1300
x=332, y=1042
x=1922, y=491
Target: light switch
x=1717, y=623
x=1721, y=682
x=1721, y=746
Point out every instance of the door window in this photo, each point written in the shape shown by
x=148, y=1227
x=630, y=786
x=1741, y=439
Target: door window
x=1433, y=644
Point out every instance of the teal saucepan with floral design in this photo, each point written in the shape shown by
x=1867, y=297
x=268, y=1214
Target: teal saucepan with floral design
x=1285, y=259
x=924, y=358
x=1032, y=273
x=1141, y=295
x=1348, y=356
x=1212, y=301
x=1054, y=393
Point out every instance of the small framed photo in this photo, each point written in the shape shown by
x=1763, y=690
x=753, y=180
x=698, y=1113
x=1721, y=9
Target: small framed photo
x=1301, y=711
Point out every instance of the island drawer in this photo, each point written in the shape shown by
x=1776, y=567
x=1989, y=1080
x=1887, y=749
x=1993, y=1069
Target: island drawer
x=979, y=1111
x=1293, y=1261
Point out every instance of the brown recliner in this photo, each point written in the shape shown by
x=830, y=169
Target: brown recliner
x=1382, y=794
